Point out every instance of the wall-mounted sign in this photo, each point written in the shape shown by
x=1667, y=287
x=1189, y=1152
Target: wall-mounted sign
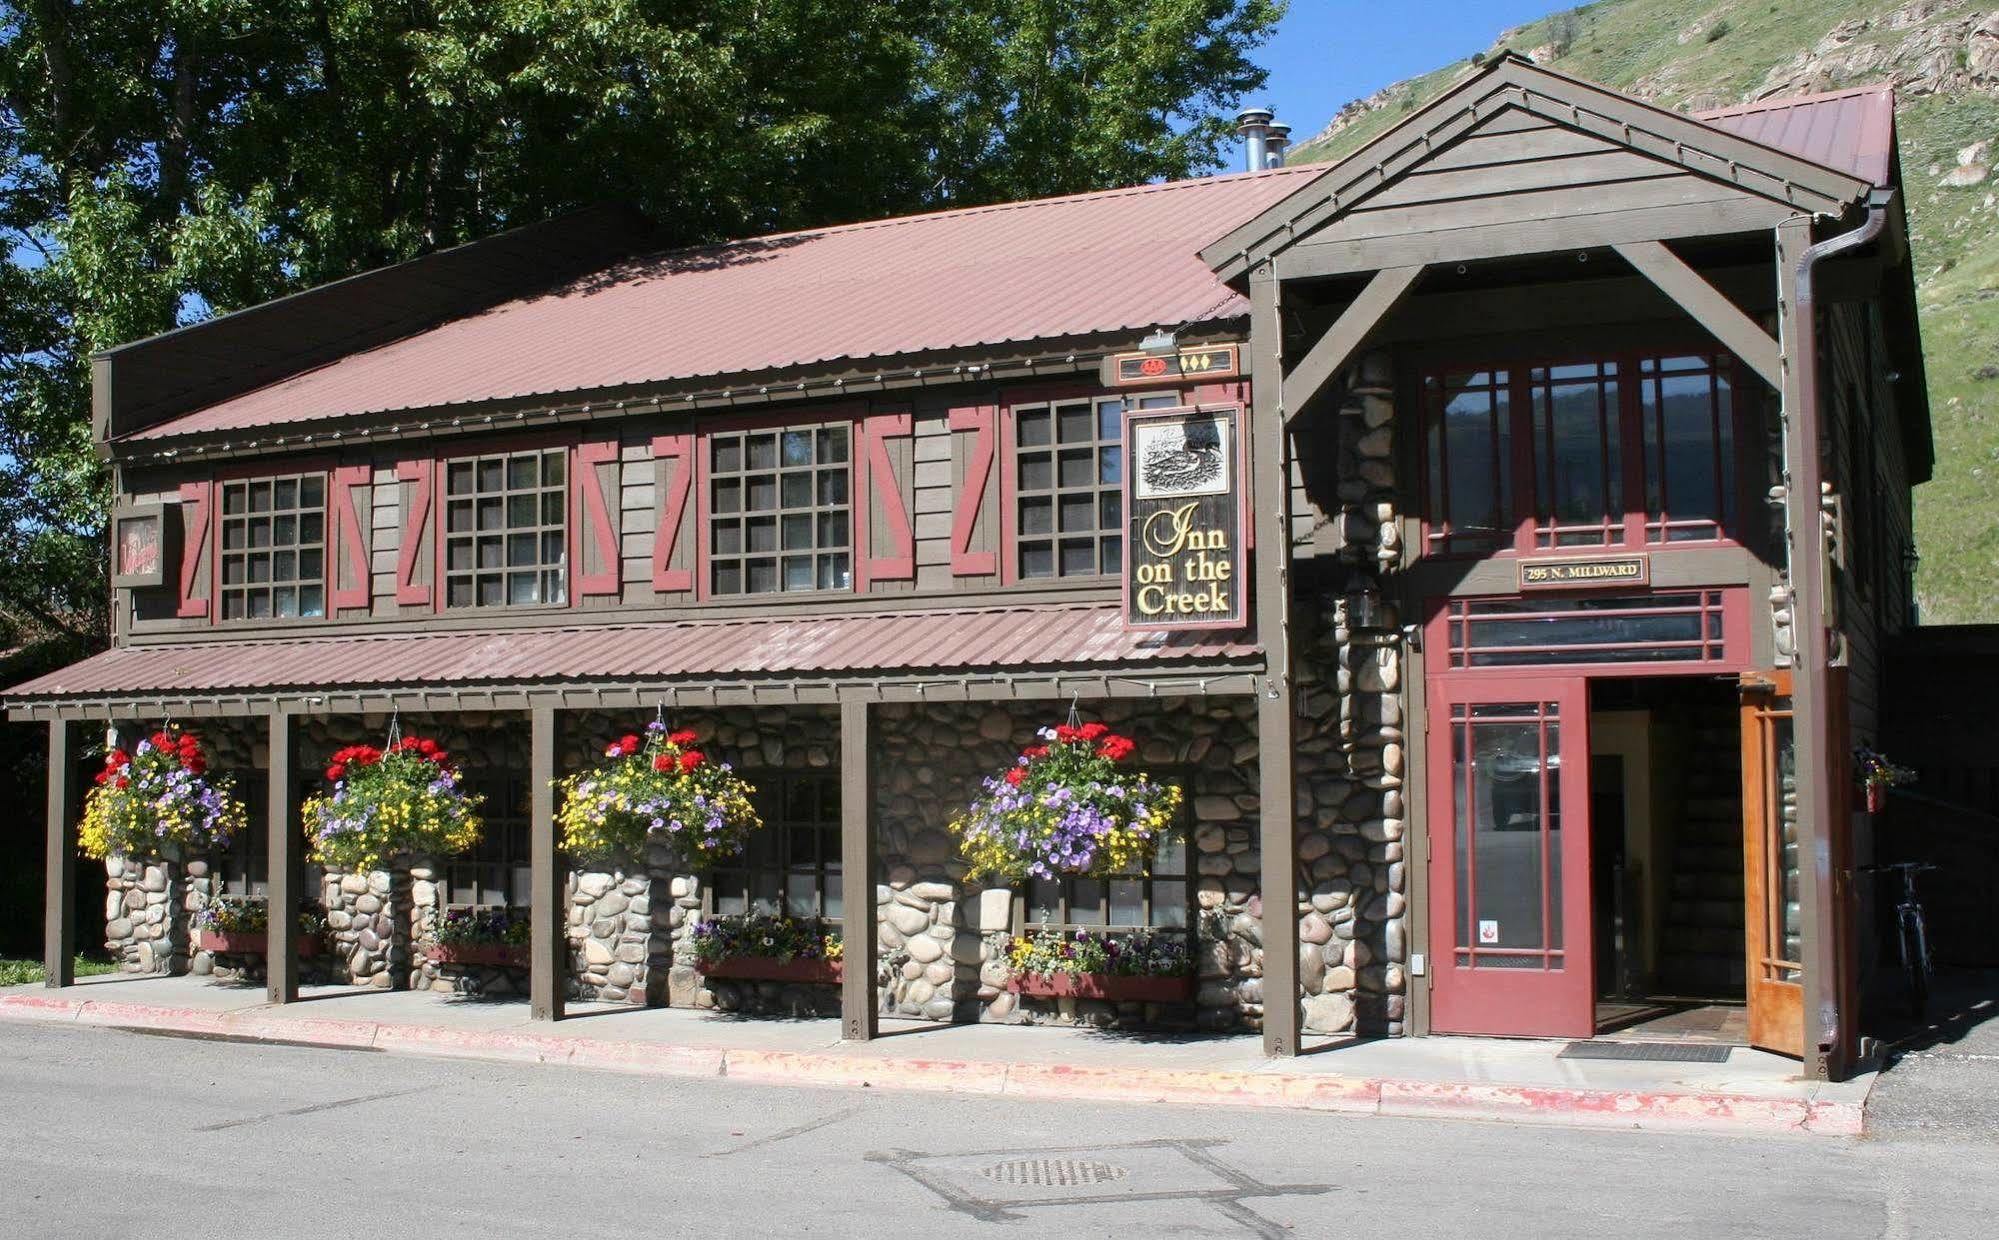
x=1219, y=361
x=1596, y=570
x=145, y=545
x=1184, y=519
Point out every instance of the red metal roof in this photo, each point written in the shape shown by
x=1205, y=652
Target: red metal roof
x=1114, y=261
x=893, y=642
x=1847, y=130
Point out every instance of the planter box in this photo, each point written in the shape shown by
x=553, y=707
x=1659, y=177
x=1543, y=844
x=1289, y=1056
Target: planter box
x=1109, y=986
x=766, y=969
x=249, y=943
x=507, y=954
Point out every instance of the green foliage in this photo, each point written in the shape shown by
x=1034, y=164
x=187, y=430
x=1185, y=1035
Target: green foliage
x=27, y=972
x=162, y=159
x=1716, y=32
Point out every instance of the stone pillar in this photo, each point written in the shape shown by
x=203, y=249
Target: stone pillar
x=143, y=920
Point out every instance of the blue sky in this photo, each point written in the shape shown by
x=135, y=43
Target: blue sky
x=1328, y=52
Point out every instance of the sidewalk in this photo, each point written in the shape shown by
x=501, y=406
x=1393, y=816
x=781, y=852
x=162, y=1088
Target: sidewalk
x=1464, y=1078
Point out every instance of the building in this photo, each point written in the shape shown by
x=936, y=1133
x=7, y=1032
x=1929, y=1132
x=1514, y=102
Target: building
x=1566, y=447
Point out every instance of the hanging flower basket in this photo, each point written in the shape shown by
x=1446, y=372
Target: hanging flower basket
x=658, y=789
x=388, y=805
x=768, y=949
x=238, y=926
x=1877, y=774
x=1138, y=967
x=487, y=936
x=158, y=800
x=1066, y=806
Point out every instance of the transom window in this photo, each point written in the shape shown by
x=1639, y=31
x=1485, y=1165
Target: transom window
x=792, y=866
x=1651, y=628
x=1160, y=899
x=273, y=555
x=779, y=517
x=1069, y=488
x=1614, y=452
x=506, y=530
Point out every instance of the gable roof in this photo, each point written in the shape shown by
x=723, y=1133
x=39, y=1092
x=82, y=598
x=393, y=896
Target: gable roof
x=1115, y=261
x=1851, y=130
x=1511, y=81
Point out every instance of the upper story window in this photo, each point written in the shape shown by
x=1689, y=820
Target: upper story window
x=779, y=517
x=1625, y=451
x=1068, y=462
x=506, y=529
x=273, y=552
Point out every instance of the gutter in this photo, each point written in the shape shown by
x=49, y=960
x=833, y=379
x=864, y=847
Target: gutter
x=1823, y=755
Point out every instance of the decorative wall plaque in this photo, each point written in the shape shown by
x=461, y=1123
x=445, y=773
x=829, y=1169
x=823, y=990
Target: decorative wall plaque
x=1184, y=519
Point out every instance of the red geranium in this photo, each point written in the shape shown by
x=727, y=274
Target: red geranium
x=663, y=762
x=1091, y=731
x=1116, y=748
x=682, y=738
x=1015, y=774
x=690, y=759
x=1065, y=733
x=1034, y=751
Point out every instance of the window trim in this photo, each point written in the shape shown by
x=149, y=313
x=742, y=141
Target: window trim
x=854, y=417
x=764, y=779
x=569, y=442
x=320, y=464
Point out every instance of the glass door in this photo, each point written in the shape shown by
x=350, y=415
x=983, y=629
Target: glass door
x=1510, y=919
x=1773, y=910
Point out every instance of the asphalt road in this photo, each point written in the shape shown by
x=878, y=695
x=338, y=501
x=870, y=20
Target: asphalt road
x=114, y=1133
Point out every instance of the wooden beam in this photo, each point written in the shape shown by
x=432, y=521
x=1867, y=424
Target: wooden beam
x=1743, y=336
x=285, y=874
x=859, y=1010
x=1278, y=823
x=1343, y=339
x=546, y=879
x=59, y=883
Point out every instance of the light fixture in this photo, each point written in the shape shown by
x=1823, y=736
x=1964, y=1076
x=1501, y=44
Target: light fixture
x=1161, y=341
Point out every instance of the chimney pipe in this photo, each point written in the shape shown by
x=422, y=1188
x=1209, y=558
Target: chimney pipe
x=1276, y=144
x=1254, y=126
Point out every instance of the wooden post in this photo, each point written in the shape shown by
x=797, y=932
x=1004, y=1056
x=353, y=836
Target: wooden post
x=59, y=913
x=859, y=1011
x=545, y=990
x=284, y=880
x=1279, y=829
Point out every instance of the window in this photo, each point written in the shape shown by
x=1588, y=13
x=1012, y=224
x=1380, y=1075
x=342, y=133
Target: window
x=1160, y=900
x=506, y=526
x=792, y=866
x=1068, y=466
x=274, y=548
x=778, y=511
x=1687, y=413
x=495, y=872
x=1578, y=470
x=1655, y=628
x=1468, y=440
x=242, y=868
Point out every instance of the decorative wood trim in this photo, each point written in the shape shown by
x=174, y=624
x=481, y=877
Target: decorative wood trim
x=200, y=500
x=665, y=578
x=1742, y=335
x=591, y=510
x=873, y=470
x=350, y=541
x=423, y=472
x=1343, y=339
x=983, y=422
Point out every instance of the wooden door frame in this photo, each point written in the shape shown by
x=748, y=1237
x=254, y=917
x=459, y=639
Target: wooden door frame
x=1776, y=1007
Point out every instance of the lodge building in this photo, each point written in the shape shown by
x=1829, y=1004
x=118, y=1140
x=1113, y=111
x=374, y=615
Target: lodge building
x=1554, y=458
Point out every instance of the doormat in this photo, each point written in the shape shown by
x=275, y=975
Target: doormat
x=1648, y=1052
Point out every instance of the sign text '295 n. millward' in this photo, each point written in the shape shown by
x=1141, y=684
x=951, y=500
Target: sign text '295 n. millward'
x=1184, y=521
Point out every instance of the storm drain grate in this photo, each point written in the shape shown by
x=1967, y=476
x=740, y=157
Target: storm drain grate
x=1053, y=1172
x=1648, y=1052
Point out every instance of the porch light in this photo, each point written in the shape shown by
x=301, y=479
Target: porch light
x=1161, y=342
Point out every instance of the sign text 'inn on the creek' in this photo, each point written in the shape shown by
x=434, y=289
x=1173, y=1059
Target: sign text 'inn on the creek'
x=1183, y=510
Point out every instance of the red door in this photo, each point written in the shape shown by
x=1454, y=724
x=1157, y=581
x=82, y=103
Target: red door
x=1509, y=868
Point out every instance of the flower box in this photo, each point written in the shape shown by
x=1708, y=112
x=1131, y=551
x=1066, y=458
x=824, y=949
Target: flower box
x=1115, y=987
x=510, y=955
x=770, y=969
x=249, y=943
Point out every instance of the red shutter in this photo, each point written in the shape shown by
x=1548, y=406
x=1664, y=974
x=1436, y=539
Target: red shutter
x=680, y=449
x=874, y=477
x=199, y=497
x=350, y=543
x=593, y=512
x=983, y=421
x=423, y=473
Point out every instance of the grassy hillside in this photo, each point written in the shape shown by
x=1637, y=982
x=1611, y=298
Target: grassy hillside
x=1689, y=54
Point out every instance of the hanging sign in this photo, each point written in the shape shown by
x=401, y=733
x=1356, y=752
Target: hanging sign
x=1596, y=570
x=1220, y=361
x=145, y=545
x=1184, y=519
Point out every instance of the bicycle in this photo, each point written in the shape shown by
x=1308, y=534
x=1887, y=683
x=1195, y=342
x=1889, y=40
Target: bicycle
x=1911, y=933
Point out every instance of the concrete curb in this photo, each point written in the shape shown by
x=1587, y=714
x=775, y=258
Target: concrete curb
x=1712, y=1112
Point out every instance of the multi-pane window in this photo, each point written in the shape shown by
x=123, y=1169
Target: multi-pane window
x=273, y=554
x=506, y=527
x=1160, y=899
x=1468, y=439
x=1069, y=488
x=792, y=866
x=495, y=872
x=1687, y=412
x=243, y=868
x=779, y=517
x=1578, y=468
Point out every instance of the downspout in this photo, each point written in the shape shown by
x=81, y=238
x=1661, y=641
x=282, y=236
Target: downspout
x=1821, y=760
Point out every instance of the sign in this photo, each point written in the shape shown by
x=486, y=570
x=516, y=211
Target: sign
x=1184, y=519
x=1488, y=933
x=145, y=545
x=1596, y=570
x=1219, y=361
